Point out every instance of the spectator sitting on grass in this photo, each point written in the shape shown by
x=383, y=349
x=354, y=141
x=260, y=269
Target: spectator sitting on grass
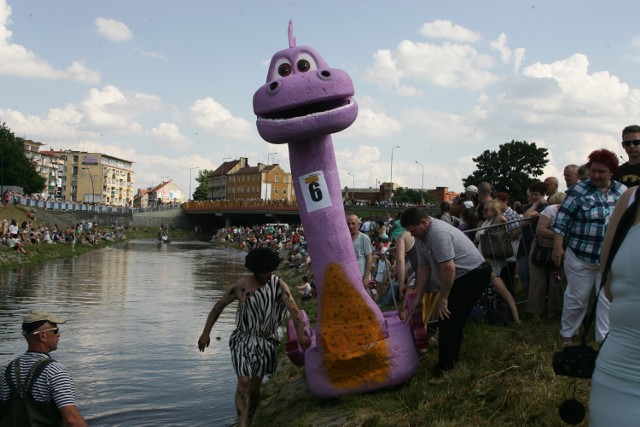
x=305, y=291
x=16, y=244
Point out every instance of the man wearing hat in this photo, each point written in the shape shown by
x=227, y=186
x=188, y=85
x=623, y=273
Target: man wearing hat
x=50, y=384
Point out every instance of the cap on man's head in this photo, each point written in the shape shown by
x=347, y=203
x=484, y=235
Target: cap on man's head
x=35, y=319
x=471, y=189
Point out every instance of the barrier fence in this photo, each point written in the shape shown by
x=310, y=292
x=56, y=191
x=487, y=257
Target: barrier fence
x=83, y=207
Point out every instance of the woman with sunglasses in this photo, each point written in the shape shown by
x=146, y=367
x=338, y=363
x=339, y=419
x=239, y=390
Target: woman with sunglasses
x=629, y=172
x=493, y=216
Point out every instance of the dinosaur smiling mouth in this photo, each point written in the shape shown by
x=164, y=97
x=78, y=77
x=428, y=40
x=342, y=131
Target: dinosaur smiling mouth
x=306, y=110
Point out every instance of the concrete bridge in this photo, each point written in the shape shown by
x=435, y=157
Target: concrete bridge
x=207, y=215
x=212, y=215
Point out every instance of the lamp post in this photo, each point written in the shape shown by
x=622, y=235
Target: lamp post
x=353, y=186
x=422, y=182
x=190, y=169
x=391, y=181
x=93, y=193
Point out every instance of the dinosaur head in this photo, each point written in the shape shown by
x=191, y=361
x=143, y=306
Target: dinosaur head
x=303, y=98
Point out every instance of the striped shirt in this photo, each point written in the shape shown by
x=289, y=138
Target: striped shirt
x=54, y=384
x=583, y=218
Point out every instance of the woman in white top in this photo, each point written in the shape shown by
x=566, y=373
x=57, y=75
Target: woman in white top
x=492, y=210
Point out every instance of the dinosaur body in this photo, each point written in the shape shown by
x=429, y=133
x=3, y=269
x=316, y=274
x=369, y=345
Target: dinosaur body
x=356, y=348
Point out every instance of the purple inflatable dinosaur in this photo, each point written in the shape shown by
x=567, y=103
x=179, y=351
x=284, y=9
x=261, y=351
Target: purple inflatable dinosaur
x=356, y=348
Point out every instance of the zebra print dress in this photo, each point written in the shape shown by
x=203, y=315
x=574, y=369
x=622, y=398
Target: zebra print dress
x=254, y=343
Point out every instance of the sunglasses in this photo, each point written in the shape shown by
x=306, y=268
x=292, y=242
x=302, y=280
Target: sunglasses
x=55, y=331
x=635, y=142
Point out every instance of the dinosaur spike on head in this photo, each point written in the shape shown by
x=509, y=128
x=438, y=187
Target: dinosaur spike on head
x=292, y=38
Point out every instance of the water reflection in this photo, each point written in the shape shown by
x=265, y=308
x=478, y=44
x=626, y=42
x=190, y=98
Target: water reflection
x=135, y=312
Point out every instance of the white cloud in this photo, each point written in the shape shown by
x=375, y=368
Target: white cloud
x=113, y=30
x=446, y=65
x=149, y=54
x=500, y=44
x=17, y=60
x=444, y=29
x=373, y=125
x=212, y=117
x=60, y=124
x=169, y=134
x=578, y=90
x=109, y=109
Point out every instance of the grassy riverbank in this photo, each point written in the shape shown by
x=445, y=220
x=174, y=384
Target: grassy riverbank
x=505, y=379
x=46, y=252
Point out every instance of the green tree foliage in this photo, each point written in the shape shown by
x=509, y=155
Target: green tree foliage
x=201, y=192
x=411, y=195
x=15, y=168
x=511, y=169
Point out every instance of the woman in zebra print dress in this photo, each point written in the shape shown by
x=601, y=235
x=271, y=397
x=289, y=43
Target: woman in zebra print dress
x=262, y=301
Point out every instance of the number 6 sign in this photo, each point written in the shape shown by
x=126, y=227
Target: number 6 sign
x=315, y=191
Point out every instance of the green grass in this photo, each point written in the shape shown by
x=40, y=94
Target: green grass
x=504, y=379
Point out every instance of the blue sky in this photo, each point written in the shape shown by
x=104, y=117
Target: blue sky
x=169, y=85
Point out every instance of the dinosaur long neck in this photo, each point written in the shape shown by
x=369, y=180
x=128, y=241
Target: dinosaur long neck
x=325, y=227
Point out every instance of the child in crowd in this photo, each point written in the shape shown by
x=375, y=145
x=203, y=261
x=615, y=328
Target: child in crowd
x=305, y=291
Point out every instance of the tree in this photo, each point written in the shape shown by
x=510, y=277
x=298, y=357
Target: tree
x=511, y=169
x=201, y=192
x=15, y=168
x=410, y=195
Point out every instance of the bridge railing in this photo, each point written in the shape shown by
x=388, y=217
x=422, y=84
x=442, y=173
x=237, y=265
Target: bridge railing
x=240, y=205
x=69, y=206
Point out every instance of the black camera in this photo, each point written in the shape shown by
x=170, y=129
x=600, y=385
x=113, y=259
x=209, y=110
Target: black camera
x=576, y=361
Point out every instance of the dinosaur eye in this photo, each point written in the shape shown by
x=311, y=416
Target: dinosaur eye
x=284, y=68
x=305, y=63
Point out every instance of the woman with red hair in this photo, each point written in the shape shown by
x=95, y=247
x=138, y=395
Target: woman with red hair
x=579, y=231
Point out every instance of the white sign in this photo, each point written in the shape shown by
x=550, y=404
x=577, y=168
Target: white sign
x=315, y=191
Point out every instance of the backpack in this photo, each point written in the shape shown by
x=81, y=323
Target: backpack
x=21, y=410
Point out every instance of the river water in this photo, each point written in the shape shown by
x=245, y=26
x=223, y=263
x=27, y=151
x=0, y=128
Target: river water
x=134, y=314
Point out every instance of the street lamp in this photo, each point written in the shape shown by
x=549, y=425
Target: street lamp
x=391, y=183
x=353, y=186
x=422, y=183
x=93, y=193
x=190, y=169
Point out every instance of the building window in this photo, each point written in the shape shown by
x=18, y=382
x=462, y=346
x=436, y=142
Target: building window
x=275, y=190
x=284, y=191
x=277, y=177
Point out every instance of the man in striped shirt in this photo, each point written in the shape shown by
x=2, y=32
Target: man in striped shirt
x=54, y=385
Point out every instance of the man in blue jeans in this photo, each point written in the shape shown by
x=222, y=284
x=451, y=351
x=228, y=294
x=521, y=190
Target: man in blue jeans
x=459, y=268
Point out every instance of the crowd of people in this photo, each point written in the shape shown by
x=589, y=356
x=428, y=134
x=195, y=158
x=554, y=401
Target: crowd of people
x=446, y=267
x=20, y=237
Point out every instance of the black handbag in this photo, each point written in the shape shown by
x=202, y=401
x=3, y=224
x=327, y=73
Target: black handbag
x=541, y=256
x=495, y=244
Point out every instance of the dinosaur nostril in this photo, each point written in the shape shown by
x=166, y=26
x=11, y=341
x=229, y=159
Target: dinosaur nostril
x=274, y=86
x=325, y=74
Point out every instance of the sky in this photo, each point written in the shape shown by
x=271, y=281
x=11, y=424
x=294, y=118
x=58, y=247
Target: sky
x=169, y=85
